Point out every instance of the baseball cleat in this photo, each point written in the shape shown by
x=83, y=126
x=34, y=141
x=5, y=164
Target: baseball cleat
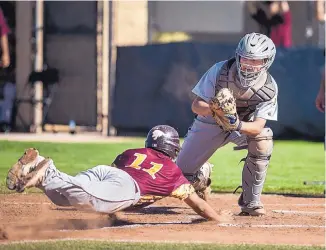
x=204, y=173
x=21, y=168
x=249, y=209
x=254, y=211
x=36, y=175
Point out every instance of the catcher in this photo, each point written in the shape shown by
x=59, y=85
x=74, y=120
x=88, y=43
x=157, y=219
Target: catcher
x=234, y=98
x=137, y=178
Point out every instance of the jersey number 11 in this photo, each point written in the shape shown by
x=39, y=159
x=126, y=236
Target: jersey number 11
x=140, y=158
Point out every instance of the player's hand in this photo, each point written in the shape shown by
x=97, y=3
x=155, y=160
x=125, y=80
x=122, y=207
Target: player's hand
x=320, y=101
x=225, y=216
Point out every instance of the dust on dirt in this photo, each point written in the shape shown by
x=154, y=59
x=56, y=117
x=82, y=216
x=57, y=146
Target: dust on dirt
x=289, y=220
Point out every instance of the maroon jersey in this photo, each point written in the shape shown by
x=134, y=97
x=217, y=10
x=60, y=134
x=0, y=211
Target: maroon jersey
x=155, y=173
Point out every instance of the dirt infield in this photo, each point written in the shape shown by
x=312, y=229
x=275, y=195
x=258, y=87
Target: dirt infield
x=297, y=221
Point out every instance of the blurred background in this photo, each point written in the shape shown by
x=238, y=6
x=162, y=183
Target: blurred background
x=121, y=67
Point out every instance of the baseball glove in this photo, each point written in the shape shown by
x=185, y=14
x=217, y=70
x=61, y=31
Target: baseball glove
x=224, y=110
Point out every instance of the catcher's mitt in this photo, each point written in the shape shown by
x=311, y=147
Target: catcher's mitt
x=224, y=110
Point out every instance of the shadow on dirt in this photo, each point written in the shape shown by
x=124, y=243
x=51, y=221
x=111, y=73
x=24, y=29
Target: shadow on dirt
x=157, y=210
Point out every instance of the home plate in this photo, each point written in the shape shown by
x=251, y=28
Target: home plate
x=297, y=212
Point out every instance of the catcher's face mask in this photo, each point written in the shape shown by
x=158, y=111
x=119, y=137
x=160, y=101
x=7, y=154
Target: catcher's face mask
x=249, y=70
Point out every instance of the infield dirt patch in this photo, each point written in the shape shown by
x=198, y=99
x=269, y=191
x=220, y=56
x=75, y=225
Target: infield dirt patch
x=290, y=220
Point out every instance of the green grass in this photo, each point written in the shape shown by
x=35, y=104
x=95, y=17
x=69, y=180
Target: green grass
x=144, y=246
x=292, y=163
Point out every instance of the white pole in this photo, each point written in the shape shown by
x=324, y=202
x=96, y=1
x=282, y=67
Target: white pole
x=105, y=66
x=112, y=27
x=99, y=70
x=38, y=66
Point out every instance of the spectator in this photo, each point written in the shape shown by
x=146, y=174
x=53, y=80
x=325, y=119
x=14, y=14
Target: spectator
x=274, y=19
x=321, y=17
x=9, y=89
x=4, y=31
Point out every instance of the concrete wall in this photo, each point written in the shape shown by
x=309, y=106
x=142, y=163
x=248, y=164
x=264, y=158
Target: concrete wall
x=130, y=21
x=195, y=16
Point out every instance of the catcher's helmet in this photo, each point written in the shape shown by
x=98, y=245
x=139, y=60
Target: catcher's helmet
x=165, y=139
x=256, y=47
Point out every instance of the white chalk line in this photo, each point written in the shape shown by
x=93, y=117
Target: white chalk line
x=219, y=225
x=297, y=212
x=269, y=226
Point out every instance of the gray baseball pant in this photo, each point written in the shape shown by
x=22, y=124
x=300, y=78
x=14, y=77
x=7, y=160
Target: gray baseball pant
x=200, y=143
x=102, y=189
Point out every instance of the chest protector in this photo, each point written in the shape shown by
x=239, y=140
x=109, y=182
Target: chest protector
x=246, y=99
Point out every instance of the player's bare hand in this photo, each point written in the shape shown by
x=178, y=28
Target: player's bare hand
x=320, y=102
x=225, y=216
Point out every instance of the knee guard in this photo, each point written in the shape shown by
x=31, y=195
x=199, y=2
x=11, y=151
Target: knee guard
x=260, y=149
x=201, y=179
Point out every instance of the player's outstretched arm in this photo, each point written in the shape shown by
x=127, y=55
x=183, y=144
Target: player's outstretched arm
x=202, y=208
